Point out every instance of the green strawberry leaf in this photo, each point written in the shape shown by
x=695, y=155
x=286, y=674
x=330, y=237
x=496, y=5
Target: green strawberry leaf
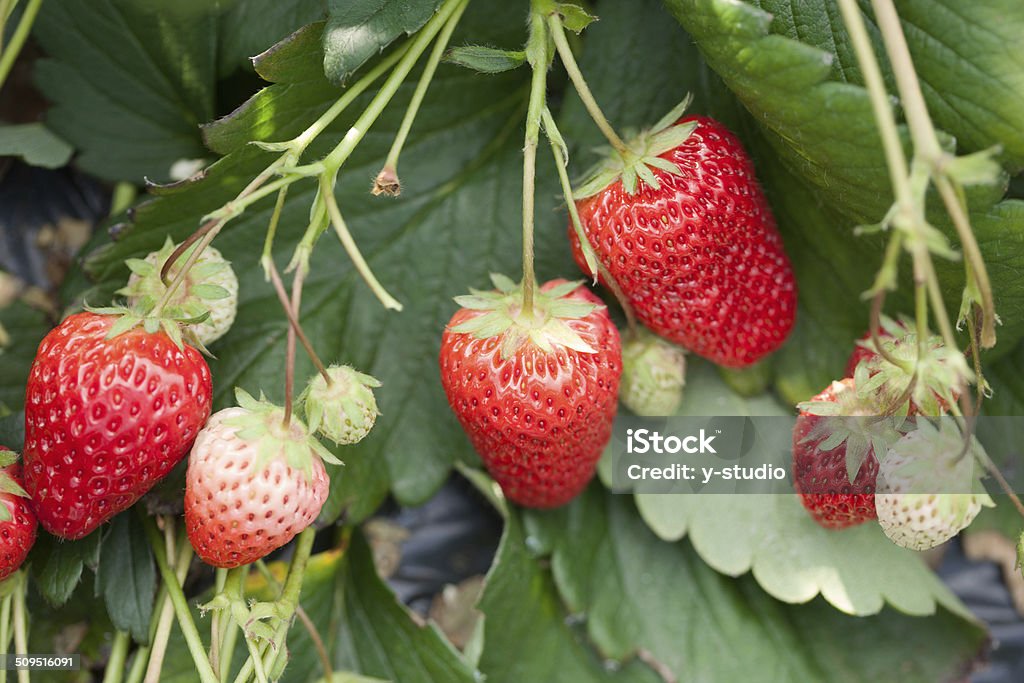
x=25, y=328
x=57, y=564
x=435, y=242
x=859, y=571
x=523, y=614
x=126, y=577
x=128, y=89
x=486, y=60
x=249, y=27
x=633, y=589
x=365, y=629
x=358, y=30
x=36, y=144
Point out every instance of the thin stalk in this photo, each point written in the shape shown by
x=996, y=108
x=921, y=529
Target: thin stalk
x=275, y=218
x=877, y=303
x=327, y=192
x=162, y=634
x=18, y=38
x=282, y=296
x=391, y=163
x=138, y=668
x=118, y=655
x=580, y=83
x=874, y=82
x=181, y=609
x=5, y=631
x=387, y=91
x=289, y=365
x=355, y=90
x=21, y=624
x=210, y=230
x=307, y=623
x=537, y=52
x=220, y=576
x=289, y=598
x=233, y=588
x=973, y=260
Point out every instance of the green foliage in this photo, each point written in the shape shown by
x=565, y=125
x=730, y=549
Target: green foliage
x=34, y=143
x=126, y=577
x=639, y=594
x=359, y=29
x=57, y=564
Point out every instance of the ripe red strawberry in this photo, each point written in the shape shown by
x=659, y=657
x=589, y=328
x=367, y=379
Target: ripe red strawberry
x=17, y=521
x=108, y=413
x=823, y=445
x=535, y=393
x=684, y=229
x=252, y=483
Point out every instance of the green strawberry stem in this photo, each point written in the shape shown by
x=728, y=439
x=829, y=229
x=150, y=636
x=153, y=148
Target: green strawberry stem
x=20, y=614
x=327, y=181
x=233, y=589
x=307, y=623
x=180, y=603
x=289, y=366
x=118, y=654
x=5, y=631
x=537, y=56
x=18, y=38
x=926, y=144
x=282, y=296
x=220, y=576
x=275, y=219
x=387, y=181
x=560, y=153
x=580, y=83
x=160, y=630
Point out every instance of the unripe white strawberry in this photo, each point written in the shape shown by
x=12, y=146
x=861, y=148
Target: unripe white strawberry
x=928, y=487
x=253, y=483
x=653, y=374
x=345, y=410
x=210, y=286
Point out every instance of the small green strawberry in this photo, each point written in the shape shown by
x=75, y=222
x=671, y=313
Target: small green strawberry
x=344, y=410
x=210, y=286
x=653, y=374
x=928, y=486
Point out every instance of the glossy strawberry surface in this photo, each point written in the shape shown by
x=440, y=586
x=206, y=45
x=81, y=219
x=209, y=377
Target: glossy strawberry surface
x=700, y=259
x=106, y=419
x=538, y=419
x=17, y=534
x=820, y=476
x=238, y=509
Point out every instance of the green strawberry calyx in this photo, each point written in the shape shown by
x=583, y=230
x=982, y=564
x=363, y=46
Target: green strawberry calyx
x=937, y=377
x=933, y=457
x=171, y=321
x=642, y=155
x=263, y=424
x=546, y=326
x=851, y=422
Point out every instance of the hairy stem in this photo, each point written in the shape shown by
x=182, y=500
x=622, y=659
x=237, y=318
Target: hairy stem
x=537, y=54
x=275, y=219
x=21, y=623
x=580, y=84
x=289, y=367
x=165, y=610
x=181, y=610
x=307, y=623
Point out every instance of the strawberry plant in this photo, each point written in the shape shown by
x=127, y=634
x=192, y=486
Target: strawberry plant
x=356, y=250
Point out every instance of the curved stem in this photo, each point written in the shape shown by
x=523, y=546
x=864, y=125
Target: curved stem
x=580, y=83
x=118, y=655
x=18, y=38
x=327, y=192
x=307, y=623
x=282, y=296
x=181, y=609
x=537, y=54
x=275, y=219
x=422, y=85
